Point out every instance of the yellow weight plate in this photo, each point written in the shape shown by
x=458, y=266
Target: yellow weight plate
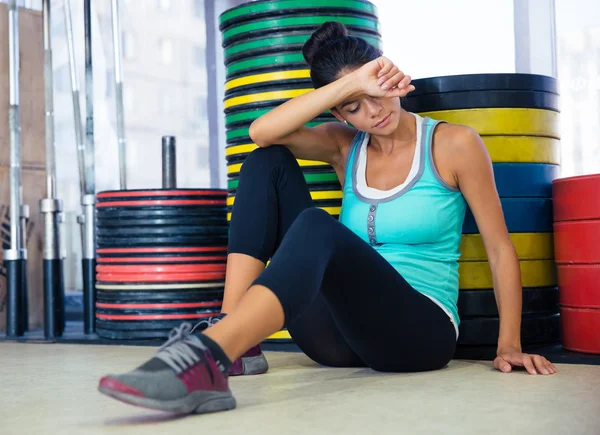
x=264, y=96
x=476, y=275
x=280, y=335
x=317, y=195
x=240, y=149
x=503, y=121
x=268, y=77
x=235, y=168
x=335, y=211
x=523, y=149
x=529, y=246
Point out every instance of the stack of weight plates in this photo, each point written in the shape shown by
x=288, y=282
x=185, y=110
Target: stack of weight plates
x=518, y=120
x=161, y=258
x=577, y=247
x=265, y=67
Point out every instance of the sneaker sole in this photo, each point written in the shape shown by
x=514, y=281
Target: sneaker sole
x=198, y=402
x=253, y=365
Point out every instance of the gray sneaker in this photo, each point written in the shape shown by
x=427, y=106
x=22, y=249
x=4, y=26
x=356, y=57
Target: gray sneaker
x=253, y=362
x=183, y=377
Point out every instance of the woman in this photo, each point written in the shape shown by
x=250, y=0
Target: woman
x=379, y=287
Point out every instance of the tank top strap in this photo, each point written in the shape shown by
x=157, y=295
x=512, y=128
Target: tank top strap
x=430, y=172
x=352, y=153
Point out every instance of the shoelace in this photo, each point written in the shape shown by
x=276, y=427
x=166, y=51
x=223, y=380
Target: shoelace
x=177, y=352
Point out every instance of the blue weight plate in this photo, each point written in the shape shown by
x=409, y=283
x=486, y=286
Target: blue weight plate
x=522, y=215
x=525, y=180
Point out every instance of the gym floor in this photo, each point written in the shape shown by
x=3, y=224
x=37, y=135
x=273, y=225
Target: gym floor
x=51, y=389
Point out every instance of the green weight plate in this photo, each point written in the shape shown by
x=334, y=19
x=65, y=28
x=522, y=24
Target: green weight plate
x=244, y=132
x=287, y=7
x=248, y=116
x=266, y=63
x=326, y=177
x=278, y=43
x=296, y=23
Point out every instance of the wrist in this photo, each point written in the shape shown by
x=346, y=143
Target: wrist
x=506, y=347
x=351, y=86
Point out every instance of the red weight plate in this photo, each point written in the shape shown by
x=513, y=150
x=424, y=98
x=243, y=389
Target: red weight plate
x=581, y=329
x=157, y=306
x=174, y=268
x=577, y=242
x=578, y=285
x=151, y=278
x=153, y=316
x=136, y=193
x=161, y=202
x=576, y=198
x=160, y=259
x=161, y=250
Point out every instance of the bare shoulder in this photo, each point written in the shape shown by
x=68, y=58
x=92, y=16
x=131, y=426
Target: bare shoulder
x=459, y=143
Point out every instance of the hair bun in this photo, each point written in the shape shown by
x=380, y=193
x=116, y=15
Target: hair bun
x=328, y=31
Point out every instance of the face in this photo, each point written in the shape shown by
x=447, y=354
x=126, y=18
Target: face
x=375, y=115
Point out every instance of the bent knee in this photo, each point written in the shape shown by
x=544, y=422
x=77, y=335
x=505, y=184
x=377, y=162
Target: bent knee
x=274, y=155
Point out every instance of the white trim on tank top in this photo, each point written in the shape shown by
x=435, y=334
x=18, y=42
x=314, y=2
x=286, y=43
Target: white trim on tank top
x=361, y=179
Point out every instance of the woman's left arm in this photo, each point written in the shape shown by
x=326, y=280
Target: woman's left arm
x=474, y=176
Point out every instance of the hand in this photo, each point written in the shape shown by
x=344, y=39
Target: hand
x=508, y=358
x=381, y=78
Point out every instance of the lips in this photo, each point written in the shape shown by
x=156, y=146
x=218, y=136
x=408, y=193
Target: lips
x=383, y=120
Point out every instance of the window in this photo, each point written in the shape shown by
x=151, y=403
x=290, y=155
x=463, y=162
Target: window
x=200, y=107
x=167, y=102
x=199, y=56
x=164, y=5
x=62, y=79
x=128, y=45
x=128, y=99
x=199, y=8
x=165, y=47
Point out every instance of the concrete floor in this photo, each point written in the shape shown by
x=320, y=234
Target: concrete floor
x=51, y=389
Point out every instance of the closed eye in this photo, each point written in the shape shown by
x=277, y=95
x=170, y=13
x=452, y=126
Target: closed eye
x=355, y=109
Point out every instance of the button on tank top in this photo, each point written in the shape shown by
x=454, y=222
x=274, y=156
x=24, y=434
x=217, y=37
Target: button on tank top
x=416, y=226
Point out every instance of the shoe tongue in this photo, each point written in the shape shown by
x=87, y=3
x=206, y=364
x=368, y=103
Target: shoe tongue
x=153, y=365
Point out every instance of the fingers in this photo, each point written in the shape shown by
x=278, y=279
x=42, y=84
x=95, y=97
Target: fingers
x=396, y=92
x=394, y=80
x=528, y=364
x=385, y=66
x=502, y=365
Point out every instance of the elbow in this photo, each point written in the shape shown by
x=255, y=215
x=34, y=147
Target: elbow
x=256, y=135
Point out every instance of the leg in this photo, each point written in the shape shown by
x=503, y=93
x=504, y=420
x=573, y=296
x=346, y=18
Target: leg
x=389, y=325
x=271, y=194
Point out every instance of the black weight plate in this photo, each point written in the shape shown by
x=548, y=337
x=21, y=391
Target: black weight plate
x=157, y=311
x=482, y=303
x=160, y=213
x=306, y=22
x=277, y=8
x=156, y=296
x=129, y=242
x=246, y=124
x=288, y=41
x=535, y=329
x=183, y=221
x=271, y=86
x=127, y=232
x=481, y=99
x=150, y=325
x=485, y=82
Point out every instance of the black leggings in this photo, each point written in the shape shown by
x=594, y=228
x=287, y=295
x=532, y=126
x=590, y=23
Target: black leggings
x=344, y=304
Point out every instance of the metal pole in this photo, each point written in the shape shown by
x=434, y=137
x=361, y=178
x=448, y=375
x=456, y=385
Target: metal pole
x=212, y=92
x=51, y=206
x=89, y=199
x=75, y=94
x=169, y=163
x=12, y=256
x=116, y=33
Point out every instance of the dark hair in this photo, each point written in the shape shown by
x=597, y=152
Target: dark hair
x=330, y=49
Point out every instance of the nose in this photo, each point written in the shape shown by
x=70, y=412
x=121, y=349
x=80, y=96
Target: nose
x=373, y=107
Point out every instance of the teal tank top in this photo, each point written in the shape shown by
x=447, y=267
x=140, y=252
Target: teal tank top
x=417, y=228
